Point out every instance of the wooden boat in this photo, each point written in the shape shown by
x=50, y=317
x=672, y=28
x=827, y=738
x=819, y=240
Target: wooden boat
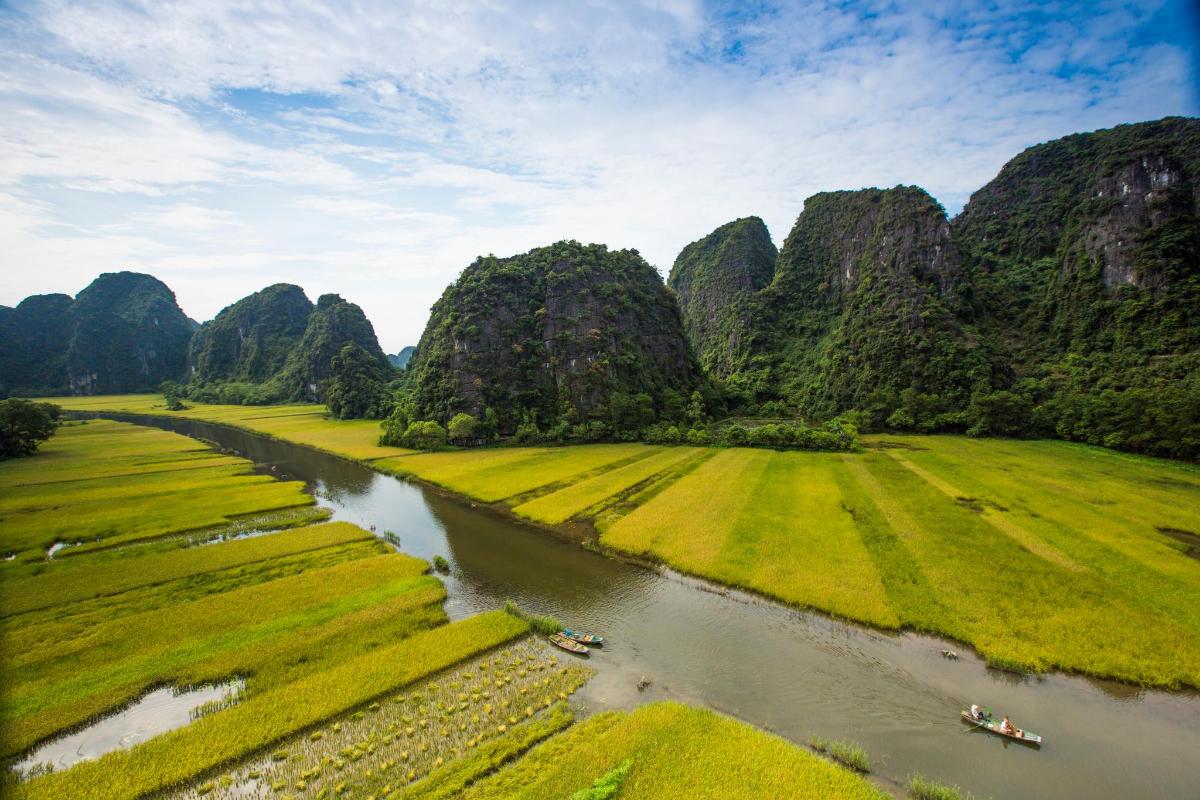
x=568, y=645
x=582, y=638
x=992, y=725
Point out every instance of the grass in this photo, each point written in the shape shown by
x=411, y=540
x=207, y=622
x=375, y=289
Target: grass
x=922, y=789
x=674, y=751
x=1041, y=554
x=116, y=483
x=542, y=623
x=267, y=718
x=72, y=581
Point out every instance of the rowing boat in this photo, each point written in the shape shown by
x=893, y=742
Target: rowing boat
x=992, y=725
x=568, y=645
x=582, y=638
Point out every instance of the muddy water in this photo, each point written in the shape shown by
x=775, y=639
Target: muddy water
x=794, y=673
x=156, y=712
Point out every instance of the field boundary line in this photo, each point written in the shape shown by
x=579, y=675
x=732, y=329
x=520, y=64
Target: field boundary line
x=1028, y=541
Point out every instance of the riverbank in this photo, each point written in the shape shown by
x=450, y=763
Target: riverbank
x=1040, y=554
x=318, y=628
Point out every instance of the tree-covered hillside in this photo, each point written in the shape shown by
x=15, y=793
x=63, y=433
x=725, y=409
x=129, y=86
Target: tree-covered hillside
x=123, y=333
x=566, y=334
x=251, y=339
x=715, y=279
x=332, y=325
x=1086, y=252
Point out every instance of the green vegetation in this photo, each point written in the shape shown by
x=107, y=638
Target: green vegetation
x=123, y=333
x=715, y=279
x=607, y=785
x=357, y=387
x=24, y=426
x=922, y=789
x=270, y=717
x=249, y=341
x=542, y=623
x=849, y=754
x=441, y=564
x=113, y=483
x=917, y=532
x=675, y=751
x=563, y=336
x=317, y=621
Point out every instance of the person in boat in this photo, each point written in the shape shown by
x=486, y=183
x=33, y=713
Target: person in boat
x=976, y=711
x=1007, y=727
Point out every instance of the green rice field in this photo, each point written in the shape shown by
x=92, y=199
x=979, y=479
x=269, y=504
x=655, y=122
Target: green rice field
x=1041, y=554
x=106, y=483
x=316, y=620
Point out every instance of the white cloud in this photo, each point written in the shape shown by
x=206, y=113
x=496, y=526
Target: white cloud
x=376, y=151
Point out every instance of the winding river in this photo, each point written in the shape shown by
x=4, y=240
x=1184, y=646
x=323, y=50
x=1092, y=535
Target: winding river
x=795, y=673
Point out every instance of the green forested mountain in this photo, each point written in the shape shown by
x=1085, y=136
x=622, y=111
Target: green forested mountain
x=123, y=333
x=566, y=334
x=250, y=340
x=332, y=325
x=1064, y=300
x=34, y=338
x=715, y=279
x=1086, y=254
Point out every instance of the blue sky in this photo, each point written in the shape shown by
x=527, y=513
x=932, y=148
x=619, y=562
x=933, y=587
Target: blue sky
x=375, y=148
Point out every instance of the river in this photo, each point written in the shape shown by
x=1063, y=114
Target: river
x=794, y=673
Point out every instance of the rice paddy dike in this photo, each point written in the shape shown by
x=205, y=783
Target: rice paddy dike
x=352, y=681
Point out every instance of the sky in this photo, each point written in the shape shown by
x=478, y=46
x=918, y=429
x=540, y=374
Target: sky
x=375, y=149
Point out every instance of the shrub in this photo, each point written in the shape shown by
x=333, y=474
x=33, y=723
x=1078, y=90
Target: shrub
x=542, y=623
x=441, y=564
x=607, y=785
x=850, y=754
x=425, y=435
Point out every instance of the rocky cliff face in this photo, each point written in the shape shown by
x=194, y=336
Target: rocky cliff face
x=332, y=325
x=553, y=334
x=868, y=299
x=1088, y=244
x=251, y=339
x=714, y=279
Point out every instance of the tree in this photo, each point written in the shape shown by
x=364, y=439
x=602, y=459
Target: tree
x=999, y=414
x=24, y=425
x=395, y=426
x=357, y=388
x=696, y=410
x=425, y=435
x=172, y=394
x=462, y=427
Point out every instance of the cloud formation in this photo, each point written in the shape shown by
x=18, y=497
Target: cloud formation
x=375, y=148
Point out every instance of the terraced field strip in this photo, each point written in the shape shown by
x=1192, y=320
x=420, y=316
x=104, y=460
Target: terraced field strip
x=494, y=481
x=561, y=505
x=496, y=705
x=73, y=581
x=996, y=519
x=900, y=520
x=119, y=483
x=306, y=424
x=767, y=521
x=673, y=751
x=1024, y=611
x=270, y=717
x=65, y=676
